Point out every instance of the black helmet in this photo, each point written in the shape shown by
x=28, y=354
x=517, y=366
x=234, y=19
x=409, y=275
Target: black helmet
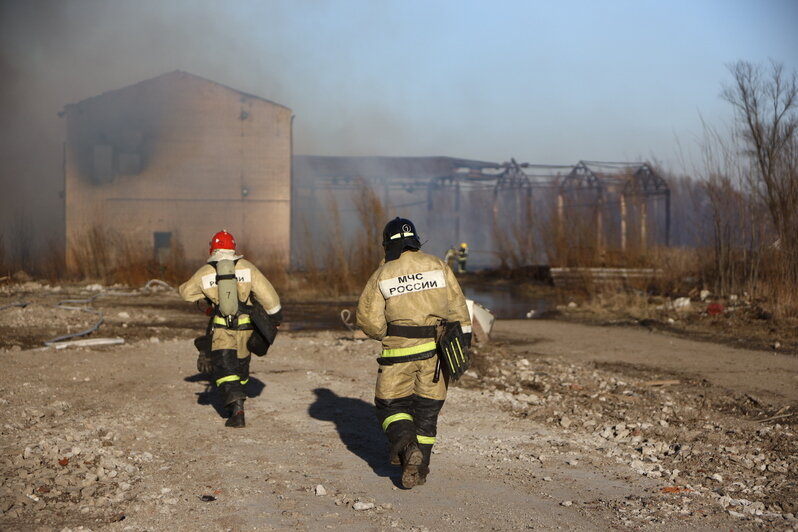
x=399, y=234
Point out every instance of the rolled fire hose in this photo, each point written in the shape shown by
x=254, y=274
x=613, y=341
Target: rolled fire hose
x=67, y=304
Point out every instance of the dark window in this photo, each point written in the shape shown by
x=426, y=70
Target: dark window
x=103, y=164
x=163, y=246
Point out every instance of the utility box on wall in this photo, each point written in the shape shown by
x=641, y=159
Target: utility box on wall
x=182, y=156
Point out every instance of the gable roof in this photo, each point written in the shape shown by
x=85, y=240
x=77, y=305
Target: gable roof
x=173, y=74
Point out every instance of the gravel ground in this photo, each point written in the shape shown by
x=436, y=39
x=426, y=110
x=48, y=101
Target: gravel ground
x=555, y=426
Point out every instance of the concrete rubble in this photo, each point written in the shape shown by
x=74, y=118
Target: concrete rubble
x=709, y=449
x=696, y=450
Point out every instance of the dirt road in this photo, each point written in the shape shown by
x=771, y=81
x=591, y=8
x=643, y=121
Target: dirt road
x=763, y=373
x=558, y=426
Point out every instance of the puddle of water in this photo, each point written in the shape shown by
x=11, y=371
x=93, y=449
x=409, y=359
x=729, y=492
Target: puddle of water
x=506, y=303
x=503, y=301
x=316, y=315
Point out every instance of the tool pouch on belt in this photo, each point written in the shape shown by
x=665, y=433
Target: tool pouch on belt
x=265, y=330
x=452, y=349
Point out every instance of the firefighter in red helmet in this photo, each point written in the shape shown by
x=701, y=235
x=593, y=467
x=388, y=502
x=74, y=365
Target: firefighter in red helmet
x=233, y=285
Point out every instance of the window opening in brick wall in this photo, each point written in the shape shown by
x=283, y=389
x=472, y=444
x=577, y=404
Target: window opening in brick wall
x=163, y=246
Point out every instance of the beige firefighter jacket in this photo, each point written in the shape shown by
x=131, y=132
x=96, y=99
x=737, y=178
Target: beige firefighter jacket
x=249, y=280
x=415, y=289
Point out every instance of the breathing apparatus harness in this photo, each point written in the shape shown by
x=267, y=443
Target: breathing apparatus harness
x=228, y=312
x=233, y=314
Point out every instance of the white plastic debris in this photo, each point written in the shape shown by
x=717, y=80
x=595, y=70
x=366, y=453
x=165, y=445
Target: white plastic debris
x=92, y=342
x=360, y=506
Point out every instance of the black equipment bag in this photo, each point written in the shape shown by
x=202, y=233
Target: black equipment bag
x=453, y=350
x=257, y=344
x=265, y=330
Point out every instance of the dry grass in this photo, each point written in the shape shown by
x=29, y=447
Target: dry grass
x=341, y=267
x=4, y=266
x=52, y=266
x=110, y=257
x=273, y=266
x=514, y=239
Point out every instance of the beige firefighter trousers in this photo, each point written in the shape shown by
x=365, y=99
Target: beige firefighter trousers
x=231, y=339
x=407, y=378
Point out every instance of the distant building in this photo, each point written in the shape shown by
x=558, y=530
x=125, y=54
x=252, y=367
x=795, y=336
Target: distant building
x=167, y=162
x=510, y=214
x=329, y=195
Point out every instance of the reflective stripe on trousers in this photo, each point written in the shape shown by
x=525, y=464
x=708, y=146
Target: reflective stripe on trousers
x=231, y=378
x=396, y=417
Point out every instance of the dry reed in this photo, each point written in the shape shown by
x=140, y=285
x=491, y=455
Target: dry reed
x=109, y=257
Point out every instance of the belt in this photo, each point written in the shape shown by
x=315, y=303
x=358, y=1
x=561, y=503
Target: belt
x=407, y=354
x=241, y=322
x=411, y=331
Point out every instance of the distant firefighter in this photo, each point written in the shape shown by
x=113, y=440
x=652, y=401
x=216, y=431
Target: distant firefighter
x=242, y=299
x=451, y=257
x=462, y=258
x=407, y=304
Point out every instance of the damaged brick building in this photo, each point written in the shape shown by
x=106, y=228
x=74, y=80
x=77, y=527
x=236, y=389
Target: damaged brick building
x=163, y=164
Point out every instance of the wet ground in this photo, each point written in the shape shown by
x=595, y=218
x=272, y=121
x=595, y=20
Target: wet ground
x=35, y=313
x=508, y=302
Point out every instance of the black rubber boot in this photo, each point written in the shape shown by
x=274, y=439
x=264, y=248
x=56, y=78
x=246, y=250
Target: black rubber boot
x=423, y=470
x=412, y=459
x=398, y=445
x=236, y=419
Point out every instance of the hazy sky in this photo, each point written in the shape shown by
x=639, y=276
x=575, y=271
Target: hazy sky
x=541, y=81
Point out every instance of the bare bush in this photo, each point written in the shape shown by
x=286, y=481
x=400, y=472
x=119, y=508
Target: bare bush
x=344, y=263
x=514, y=232
x=111, y=257
x=751, y=180
x=52, y=265
x=767, y=111
x=372, y=216
x=19, y=245
x=4, y=267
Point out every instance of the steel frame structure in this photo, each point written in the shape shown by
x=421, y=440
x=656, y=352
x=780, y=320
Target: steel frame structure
x=596, y=185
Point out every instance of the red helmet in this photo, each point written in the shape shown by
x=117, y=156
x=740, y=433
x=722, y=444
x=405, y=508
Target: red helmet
x=222, y=240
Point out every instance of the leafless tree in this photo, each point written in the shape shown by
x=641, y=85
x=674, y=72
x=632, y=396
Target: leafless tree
x=765, y=99
x=726, y=187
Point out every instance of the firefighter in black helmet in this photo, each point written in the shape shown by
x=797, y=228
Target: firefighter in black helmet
x=402, y=305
